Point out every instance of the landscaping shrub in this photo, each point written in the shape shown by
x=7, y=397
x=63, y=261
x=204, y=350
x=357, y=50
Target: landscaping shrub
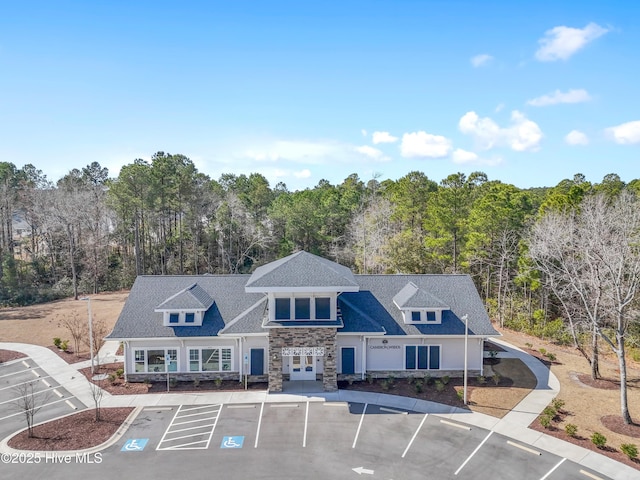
x=529, y=345
x=196, y=382
x=598, y=439
x=445, y=379
x=439, y=385
x=385, y=384
x=557, y=404
x=630, y=450
x=460, y=394
x=418, y=385
x=120, y=372
x=496, y=378
x=173, y=382
x=57, y=341
x=218, y=382
x=370, y=378
x=571, y=429
x=64, y=345
x=481, y=379
x=545, y=421
x=543, y=351
x=551, y=356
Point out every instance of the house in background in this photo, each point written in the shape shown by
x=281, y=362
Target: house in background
x=301, y=318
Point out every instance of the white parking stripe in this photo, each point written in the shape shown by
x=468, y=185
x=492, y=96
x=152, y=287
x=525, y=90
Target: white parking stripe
x=553, y=469
x=473, y=453
x=21, y=383
x=306, y=422
x=355, y=440
x=20, y=396
x=259, y=423
x=415, y=435
x=15, y=373
x=22, y=413
x=201, y=426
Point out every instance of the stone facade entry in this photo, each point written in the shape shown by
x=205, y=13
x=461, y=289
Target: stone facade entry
x=301, y=343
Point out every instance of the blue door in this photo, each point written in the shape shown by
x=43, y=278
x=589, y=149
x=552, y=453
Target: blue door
x=348, y=360
x=257, y=361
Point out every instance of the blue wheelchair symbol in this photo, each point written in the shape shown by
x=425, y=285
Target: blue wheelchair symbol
x=232, y=442
x=135, y=445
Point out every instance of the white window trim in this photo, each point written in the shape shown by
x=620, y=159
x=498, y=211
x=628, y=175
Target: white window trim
x=333, y=313
x=146, y=359
x=231, y=358
x=198, y=316
x=428, y=345
x=408, y=316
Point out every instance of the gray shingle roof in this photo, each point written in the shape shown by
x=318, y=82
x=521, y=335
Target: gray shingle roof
x=139, y=319
x=193, y=297
x=301, y=270
x=370, y=310
x=413, y=297
x=373, y=304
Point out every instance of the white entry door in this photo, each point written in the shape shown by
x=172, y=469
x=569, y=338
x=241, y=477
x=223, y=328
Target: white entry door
x=303, y=367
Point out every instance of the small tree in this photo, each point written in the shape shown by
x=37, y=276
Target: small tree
x=99, y=330
x=29, y=402
x=77, y=328
x=97, y=394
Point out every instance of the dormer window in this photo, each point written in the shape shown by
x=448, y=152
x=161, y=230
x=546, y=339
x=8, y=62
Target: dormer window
x=419, y=306
x=303, y=307
x=174, y=318
x=189, y=317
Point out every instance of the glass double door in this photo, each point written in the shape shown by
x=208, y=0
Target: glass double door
x=303, y=367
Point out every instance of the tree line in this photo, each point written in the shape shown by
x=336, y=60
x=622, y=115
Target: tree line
x=89, y=232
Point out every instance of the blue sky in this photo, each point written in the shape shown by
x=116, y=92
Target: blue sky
x=528, y=92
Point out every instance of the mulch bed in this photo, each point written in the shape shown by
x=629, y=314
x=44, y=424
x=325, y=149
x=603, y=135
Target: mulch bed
x=117, y=385
x=613, y=423
x=617, y=425
x=8, y=355
x=603, y=383
x=74, y=432
x=68, y=356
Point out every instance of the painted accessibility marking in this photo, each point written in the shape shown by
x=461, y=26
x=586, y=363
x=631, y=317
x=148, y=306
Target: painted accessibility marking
x=134, y=445
x=232, y=442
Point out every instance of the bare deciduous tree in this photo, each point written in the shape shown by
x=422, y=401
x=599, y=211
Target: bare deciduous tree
x=97, y=393
x=29, y=402
x=591, y=259
x=77, y=328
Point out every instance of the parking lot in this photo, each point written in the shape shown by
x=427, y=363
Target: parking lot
x=329, y=440
x=21, y=377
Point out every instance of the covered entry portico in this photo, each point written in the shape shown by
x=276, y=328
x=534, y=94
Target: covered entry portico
x=302, y=354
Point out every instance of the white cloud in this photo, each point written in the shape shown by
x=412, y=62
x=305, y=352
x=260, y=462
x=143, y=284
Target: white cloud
x=308, y=152
x=572, y=96
x=522, y=135
x=425, y=145
x=370, y=152
x=499, y=107
x=383, y=137
x=461, y=156
x=306, y=173
x=576, y=137
x=481, y=60
x=561, y=42
x=625, y=133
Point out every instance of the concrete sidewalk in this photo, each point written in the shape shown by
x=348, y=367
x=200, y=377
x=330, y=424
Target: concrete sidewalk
x=514, y=425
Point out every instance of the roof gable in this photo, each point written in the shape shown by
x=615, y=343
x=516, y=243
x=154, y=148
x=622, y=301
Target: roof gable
x=413, y=297
x=193, y=297
x=302, y=272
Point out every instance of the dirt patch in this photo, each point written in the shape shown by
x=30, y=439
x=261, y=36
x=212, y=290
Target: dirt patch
x=39, y=324
x=69, y=356
x=585, y=404
x=616, y=424
x=74, y=432
x=8, y=355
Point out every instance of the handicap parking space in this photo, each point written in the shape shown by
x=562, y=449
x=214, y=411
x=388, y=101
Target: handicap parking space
x=237, y=426
x=21, y=379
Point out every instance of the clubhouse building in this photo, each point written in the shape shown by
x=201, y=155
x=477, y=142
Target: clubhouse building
x=301, y=318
